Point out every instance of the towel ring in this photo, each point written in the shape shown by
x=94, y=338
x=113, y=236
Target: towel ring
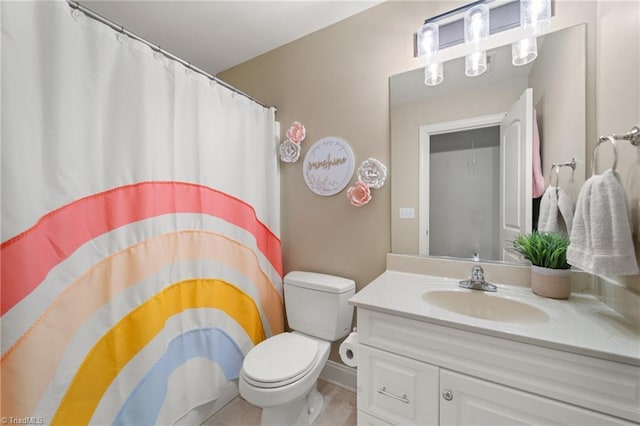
x=595, y=150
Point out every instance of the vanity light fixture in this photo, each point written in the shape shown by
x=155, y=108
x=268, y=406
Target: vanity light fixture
x=476, y=34
x=444, y=30
x=428, y=47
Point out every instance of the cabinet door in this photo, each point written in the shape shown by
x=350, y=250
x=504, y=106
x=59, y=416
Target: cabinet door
x=396, y=389
x=466, y=401
x=365, y=419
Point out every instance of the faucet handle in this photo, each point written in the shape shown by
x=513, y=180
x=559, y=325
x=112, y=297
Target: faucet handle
x=476, y=281
x=477, y=273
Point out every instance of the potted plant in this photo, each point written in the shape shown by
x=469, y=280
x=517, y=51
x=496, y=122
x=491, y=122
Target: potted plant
x=550, y=272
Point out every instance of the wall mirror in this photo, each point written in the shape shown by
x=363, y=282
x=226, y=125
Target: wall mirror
x=458, y=189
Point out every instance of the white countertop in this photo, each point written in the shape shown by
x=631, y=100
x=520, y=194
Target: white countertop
x=582, y=324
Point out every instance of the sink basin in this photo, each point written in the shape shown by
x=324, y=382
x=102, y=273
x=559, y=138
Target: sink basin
x=488, y=306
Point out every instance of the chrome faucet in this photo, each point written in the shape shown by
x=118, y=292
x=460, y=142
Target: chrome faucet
x=476, y=281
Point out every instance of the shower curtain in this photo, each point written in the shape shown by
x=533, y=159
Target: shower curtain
x=140, y=249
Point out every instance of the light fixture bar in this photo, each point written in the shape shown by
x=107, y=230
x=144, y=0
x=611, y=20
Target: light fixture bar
x=453, y=12
x=503, y=17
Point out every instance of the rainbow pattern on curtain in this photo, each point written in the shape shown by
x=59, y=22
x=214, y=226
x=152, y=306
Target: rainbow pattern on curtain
x=140, y=252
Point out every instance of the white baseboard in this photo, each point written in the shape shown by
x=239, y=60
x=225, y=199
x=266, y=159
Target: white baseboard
x=340, y=375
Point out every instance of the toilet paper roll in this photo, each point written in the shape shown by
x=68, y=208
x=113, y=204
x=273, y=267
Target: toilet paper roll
x=349, y=350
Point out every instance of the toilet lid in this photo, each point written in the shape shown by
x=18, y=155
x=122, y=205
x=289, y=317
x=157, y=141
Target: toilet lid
x=281, y=358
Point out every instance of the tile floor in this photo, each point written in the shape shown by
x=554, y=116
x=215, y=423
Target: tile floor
x=339, y=409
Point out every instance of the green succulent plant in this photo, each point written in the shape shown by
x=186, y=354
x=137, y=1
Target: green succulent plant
x=544, y=249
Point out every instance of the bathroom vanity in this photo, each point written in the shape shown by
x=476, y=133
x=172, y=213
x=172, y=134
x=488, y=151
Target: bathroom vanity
x=432, y=353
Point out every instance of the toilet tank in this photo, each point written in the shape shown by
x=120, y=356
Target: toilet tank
x=317, y=304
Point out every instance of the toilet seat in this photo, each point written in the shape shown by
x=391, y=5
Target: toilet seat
x=280, y=360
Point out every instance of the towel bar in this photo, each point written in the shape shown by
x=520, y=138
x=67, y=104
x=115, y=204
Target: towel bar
x=632, y=136
x=557, y=166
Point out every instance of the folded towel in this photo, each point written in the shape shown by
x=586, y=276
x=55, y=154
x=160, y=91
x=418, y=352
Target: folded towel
x=601, y=241
x=556, y=211
x=538, y=179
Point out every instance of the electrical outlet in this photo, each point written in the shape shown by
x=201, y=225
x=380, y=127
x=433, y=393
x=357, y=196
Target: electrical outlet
x=407, y=213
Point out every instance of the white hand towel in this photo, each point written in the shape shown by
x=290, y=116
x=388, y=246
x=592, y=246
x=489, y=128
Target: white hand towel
x=565, y=210
x=556, y=211
x=601, y=241
x=547, y=218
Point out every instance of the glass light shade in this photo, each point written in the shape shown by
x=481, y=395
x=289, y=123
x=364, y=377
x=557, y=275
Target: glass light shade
x=433, y=74
x=475, y=63
x=535, y=15
x=428, y=40
x=476, y=25
x=524, y=51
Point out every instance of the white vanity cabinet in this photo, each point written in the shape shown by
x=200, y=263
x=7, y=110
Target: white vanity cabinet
x=414, y=372
x=470, y=401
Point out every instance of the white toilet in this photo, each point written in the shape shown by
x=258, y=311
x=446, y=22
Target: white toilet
x=280, y=373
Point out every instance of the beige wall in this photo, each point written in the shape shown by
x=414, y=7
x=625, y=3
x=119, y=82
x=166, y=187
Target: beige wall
x=335, y=81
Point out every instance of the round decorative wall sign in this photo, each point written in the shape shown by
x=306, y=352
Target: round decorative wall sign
x=328, y=166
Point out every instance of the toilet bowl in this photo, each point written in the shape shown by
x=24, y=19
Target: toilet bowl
x=280, y=374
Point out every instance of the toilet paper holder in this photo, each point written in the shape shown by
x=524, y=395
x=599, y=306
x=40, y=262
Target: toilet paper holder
x=348, y=350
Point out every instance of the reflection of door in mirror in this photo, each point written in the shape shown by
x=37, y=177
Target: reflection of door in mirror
x=475, y=171
x=516, y=159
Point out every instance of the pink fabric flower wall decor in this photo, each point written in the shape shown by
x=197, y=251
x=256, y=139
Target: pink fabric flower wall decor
x=359, y=194
x=296, y=132
x=290, y=147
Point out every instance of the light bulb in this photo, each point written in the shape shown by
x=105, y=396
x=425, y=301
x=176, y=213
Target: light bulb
x=476, y=25
x=524, y=51
x=535, y=15
x=433, y=74
x=475, y=63
x=428, y=40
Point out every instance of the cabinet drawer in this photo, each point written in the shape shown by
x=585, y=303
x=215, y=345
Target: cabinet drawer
x=396, y=389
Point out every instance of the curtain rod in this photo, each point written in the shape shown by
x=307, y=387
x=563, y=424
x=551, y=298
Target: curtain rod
x=119, y=28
